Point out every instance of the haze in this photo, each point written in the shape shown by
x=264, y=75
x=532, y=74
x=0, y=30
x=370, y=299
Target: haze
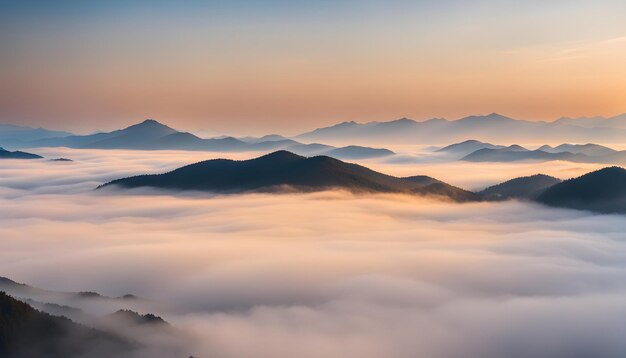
x=327, y=274
x=288, y=66
x=274, y=178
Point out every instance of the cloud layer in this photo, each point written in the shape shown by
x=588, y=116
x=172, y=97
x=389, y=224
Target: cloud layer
x=326, y=274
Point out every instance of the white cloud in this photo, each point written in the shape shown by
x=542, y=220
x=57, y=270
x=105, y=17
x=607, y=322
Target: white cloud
x=326, y=274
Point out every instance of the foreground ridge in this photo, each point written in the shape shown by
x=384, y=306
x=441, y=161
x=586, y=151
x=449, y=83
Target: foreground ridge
x=283, y=170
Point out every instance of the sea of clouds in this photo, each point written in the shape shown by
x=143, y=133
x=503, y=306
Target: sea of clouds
x=328, y=274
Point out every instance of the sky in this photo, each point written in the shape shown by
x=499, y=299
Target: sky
x=254, y=67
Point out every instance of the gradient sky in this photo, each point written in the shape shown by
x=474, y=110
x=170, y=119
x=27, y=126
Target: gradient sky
x=250, y=67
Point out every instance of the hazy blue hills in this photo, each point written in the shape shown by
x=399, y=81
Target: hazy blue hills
x=467, y=147
x=589, y=149
x=509, y=154
x=618, y=121
x=483, y=128
x=137, y=136
x=528, y=188
x=601, y=191
x=265, y=138
x=283, y=170
x=580, y=153
x=26, y=332
x=16, y=135
x=5, y=154
x=152, y=135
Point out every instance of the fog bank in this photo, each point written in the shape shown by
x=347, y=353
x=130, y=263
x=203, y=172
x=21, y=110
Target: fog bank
x=327, y=274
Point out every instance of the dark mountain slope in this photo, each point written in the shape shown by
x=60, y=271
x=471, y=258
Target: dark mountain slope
x=26, y=332
x=602, y=191
x=520, y=188
x=5, y=154
x=422, y=180
x=285, y=169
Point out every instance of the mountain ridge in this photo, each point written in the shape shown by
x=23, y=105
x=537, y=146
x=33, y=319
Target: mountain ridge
x=282, y=169
x=603, y=191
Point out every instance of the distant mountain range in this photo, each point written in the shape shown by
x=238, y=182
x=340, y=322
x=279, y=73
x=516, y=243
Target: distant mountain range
x=492, y=127
x=510, y=155
x=592, y=122
x=580, y=153
x=152, y=135
x=15, y=135
x=283, y=170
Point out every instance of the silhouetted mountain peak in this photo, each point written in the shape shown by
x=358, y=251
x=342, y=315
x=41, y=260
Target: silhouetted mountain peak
x=280, y=156
x=149, y=124
x=281, y=170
